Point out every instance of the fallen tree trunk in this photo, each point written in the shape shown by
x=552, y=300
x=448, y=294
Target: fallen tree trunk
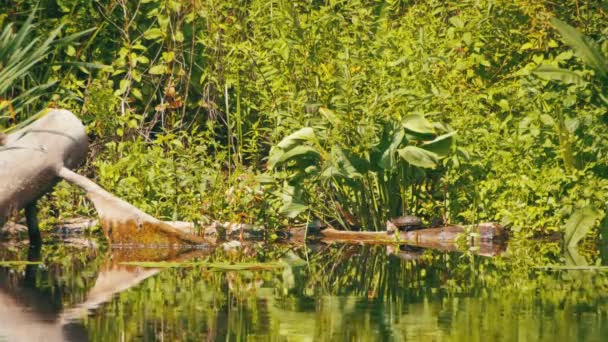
x=31, y=159
x=123, y=222
x=486, y=238
x=36, y=157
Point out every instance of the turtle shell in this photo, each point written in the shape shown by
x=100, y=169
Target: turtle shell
x=407, y=222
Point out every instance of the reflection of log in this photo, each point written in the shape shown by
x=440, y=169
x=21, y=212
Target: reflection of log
x=31, y=159
x=114, y=278
x=30, y=309
x=485, y=238
x=30, y=313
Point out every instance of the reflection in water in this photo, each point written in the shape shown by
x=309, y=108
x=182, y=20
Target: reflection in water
x=48, y=301
x=342, y=293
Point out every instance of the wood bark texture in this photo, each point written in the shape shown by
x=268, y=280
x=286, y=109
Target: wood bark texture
x=31, y=158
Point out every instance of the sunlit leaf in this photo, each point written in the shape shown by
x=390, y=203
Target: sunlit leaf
x=579, y=224
x=551, y=73
x=279, y=156
x=387, y=161
x=158, y=69
x=585, y=48
x=419, y=157
x=442, y=145
x=418, y=124
x=153, y=33
x=297, y=137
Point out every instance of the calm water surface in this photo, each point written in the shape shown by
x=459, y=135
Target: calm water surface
x=318, y=293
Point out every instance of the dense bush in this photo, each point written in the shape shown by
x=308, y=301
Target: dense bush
x=183, y=98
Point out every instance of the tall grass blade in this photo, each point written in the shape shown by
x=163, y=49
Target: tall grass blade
x=586, y=49
x=579, y=224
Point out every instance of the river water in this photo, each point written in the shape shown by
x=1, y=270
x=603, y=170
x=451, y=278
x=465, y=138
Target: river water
x=301, y=293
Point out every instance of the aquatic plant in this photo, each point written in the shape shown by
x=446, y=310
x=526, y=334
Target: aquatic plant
x=360, y=188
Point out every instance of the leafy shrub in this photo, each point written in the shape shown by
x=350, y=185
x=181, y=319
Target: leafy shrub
x=372, y=185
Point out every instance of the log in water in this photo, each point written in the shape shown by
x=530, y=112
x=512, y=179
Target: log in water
x=489, y=237
x=36, y=157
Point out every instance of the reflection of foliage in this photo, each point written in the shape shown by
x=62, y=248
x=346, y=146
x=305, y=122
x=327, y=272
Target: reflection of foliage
x=363, y=293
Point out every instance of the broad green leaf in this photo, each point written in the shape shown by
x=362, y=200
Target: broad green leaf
x=572, y=124
x=153, y=33
x=386, y=138
x=137, y=93
x=418, y=124
x=274, y=155
x=586, y=49
x=419, y=157
x=158, y=69
x=579, y=224
x=387, y=161
x=280, y=156
x=123, y=85
x=297, y=137
x=551, y=73
x=547, y=119
x=573, y=258
x=344, y=164
x=442, y=145
x=293, y=209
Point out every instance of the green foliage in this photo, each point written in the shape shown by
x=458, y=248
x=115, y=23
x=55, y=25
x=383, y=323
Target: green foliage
x=579, y=224
x=531, y=119
x=370, y=184
x=585, y=48
x=175, y=178
x=22, y=81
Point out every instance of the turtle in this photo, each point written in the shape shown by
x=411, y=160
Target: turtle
x=404, y=223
